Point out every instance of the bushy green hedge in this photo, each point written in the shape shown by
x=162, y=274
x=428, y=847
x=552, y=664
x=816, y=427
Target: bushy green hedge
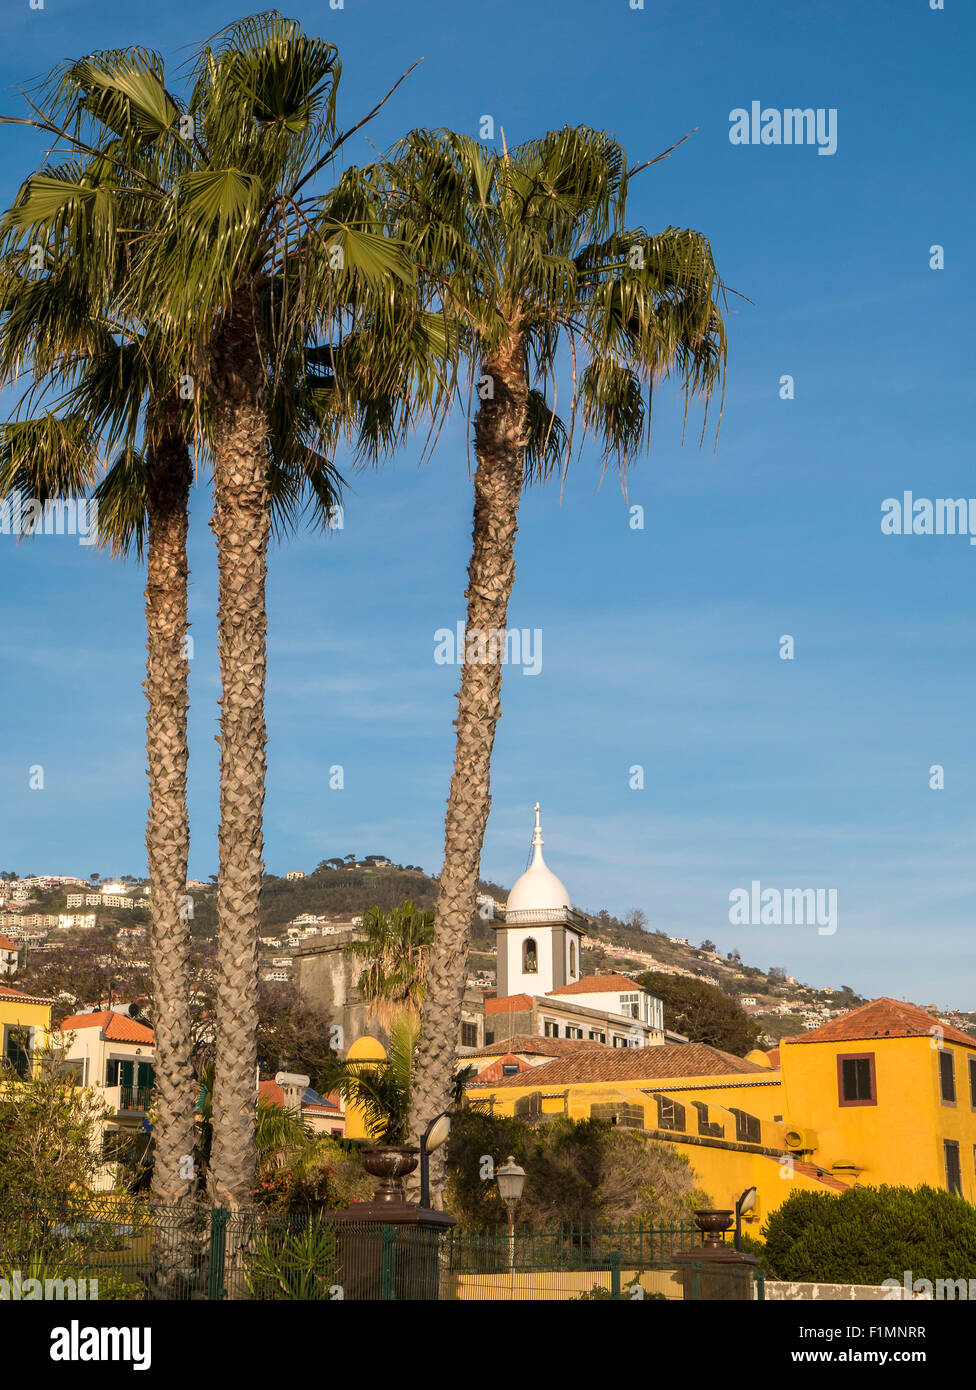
x=869, y=1234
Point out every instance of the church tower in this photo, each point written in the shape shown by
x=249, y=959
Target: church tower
x=540, y=941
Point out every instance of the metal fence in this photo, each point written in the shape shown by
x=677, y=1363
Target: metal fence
x=125, y=1248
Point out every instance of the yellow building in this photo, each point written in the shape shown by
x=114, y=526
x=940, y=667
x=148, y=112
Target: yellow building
x=723, y=1113
x=25, y=1027
x=887, y=1095
x=882, y=1095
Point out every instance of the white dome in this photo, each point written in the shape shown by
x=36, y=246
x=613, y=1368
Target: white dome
x=538, y=889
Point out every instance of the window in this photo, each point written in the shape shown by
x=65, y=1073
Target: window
x=629, y=1005
x=747, y=1127
x=947, y=1076
x=972, y=1082
x=597, y=1037
x=953, y=1170
x=550, y=1029
x=855, y=1079
x=16, y=1049
x=489, y=1038
x=711, y=1129
x=510, y=1069
x=670, y=1114
x=530, y=957
x=469, y=1035
x=573, y=1032
x=572, y=960
x=336, y=1133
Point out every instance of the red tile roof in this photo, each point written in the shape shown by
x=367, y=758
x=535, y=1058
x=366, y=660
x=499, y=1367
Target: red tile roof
x=495, y=1070
x=509, y=1004
x=114, y=1027
x=633, y=1064
x=6, y=944
x=599, y=984
x=882, y=1018
x=20, y=997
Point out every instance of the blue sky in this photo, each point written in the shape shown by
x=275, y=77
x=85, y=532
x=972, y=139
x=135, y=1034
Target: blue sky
x=660, y=646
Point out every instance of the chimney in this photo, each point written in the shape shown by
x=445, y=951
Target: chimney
x=294, y=1086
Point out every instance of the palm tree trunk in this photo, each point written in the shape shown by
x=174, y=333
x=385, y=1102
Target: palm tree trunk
x=500, y=440
x=240, y=524
x=168, y=476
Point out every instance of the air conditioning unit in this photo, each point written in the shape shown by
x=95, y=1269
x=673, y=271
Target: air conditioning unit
x=801, y=1140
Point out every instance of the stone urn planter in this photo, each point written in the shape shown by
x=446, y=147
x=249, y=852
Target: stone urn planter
x=391, y=1163
x=712, y=1222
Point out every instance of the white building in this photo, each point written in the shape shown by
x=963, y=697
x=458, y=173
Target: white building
x=9, y=955
x=295, y=873
x=541, y=988
x=112, y=1055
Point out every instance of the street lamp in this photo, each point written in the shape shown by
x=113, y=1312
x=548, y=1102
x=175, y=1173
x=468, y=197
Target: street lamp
x=434, y=1136
x=511, y=1180
x=745, y=1203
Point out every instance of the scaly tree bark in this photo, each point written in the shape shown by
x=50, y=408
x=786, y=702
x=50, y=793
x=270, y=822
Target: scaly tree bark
x=240, y=524
x=501, y=437
x=168, y=477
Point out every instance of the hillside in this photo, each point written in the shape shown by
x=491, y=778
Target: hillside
x=341, y=888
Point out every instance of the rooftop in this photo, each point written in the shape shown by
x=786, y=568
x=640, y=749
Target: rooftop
x=883, y=1018
x=633, y=1064
x=114, y=1027
x=600, y=984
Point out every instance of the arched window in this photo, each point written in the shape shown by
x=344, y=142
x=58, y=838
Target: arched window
x=530, y=957
x=572, y=960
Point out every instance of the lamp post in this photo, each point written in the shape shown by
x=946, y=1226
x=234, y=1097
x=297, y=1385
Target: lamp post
x=745, y=1203
x=511, y=1180
x=435, y=1135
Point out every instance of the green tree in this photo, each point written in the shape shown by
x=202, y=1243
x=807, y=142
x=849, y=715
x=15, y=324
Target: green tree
x=49, y=1130
x=702, y=1012
x=577, y=1172
x=527, y=252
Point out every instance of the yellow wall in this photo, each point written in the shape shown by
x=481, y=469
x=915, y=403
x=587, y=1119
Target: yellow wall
x=14, y=1013
x=900, y=1139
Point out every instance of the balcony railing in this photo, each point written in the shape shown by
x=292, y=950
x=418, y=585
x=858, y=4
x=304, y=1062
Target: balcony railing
x=135, y=1097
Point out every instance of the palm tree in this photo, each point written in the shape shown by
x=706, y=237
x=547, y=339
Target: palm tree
x=383, y=1090
x=143, y=504
x=395, y=951
x=240, y=268
x=528, y=252
x=54, y=322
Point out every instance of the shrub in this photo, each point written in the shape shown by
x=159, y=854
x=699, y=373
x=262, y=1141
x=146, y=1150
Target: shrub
x=577, y=1172
x=869, y=1234
x=292, y=1264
